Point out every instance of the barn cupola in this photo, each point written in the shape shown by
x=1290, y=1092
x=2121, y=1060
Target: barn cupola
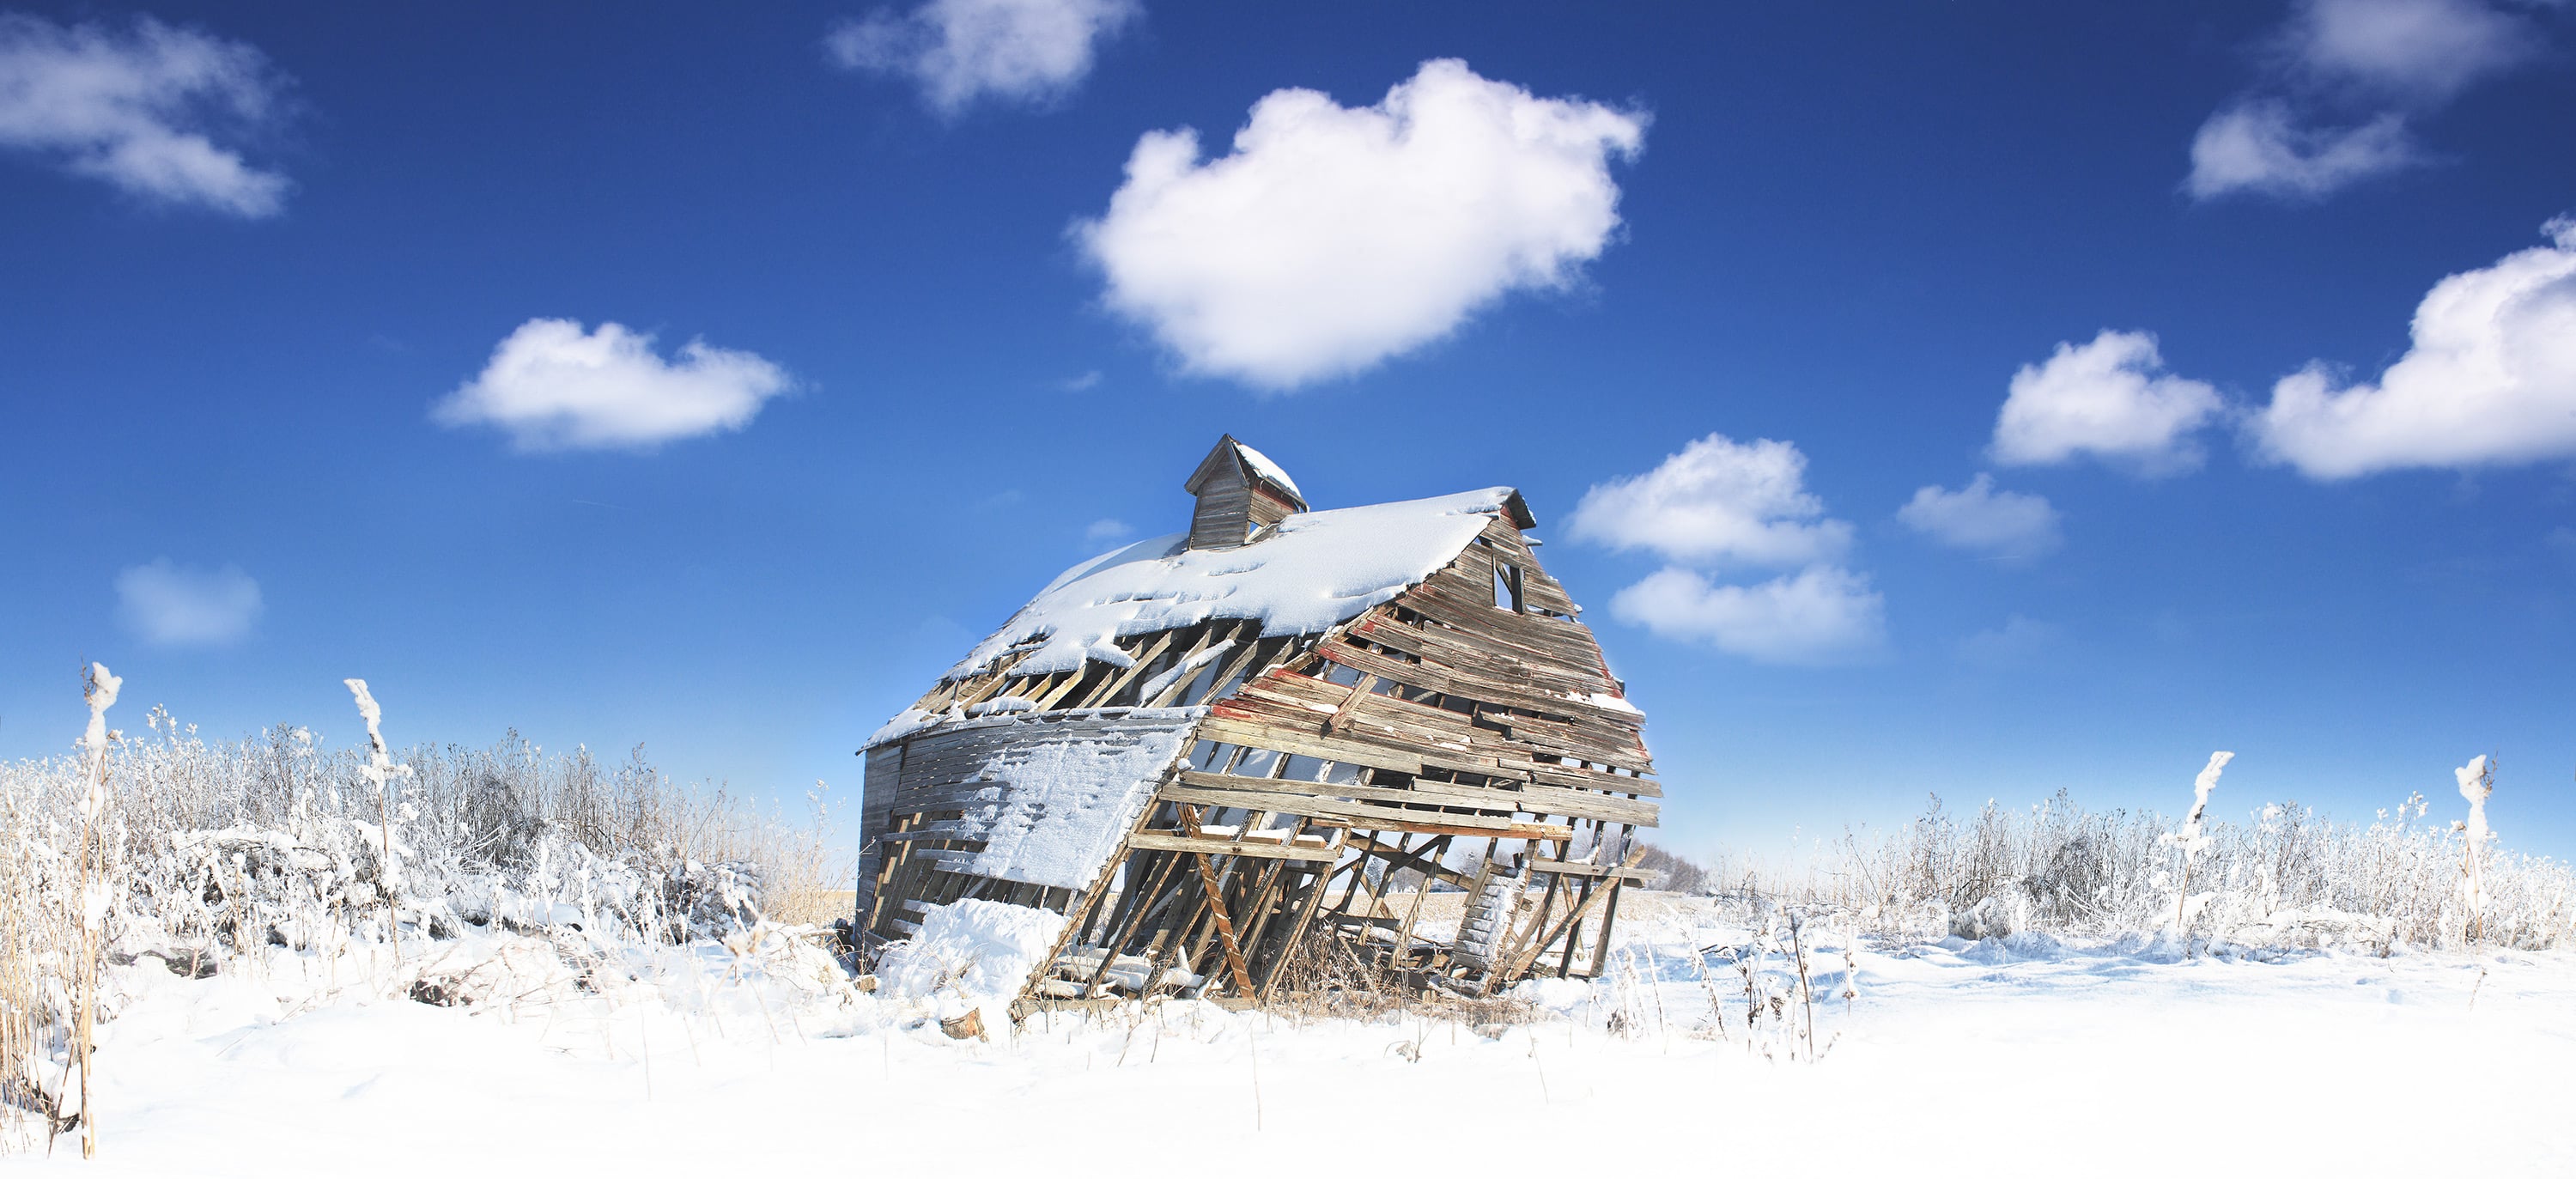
x=1240, y=491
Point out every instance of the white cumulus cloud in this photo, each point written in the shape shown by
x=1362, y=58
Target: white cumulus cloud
x=141, y=109
x=958, y=51
x=1722, y=503
x=1817, y=616
x=1332, y=238
x=2490, y=380
x=553, y=386
x=170, y=605
x=2109, y=399
x=2011, y=524
x=2295, y=133
x=1717, y=501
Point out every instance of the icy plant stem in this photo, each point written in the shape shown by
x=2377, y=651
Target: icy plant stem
x=1851, y=967
x=100, y=691
x=1806, y=992
x=1715, y=1011
x=2477, y=781
x=2191, y=839
x=380, y=769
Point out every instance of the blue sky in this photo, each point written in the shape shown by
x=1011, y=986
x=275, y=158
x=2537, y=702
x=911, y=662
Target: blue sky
x=307, y=372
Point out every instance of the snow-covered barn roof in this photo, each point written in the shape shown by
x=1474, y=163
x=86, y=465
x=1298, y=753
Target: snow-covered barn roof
x=1318, y=569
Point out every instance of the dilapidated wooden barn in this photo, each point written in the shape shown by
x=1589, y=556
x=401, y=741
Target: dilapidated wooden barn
x=1213, y=753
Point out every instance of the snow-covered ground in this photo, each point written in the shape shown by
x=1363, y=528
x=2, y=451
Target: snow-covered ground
x=1956, y=1058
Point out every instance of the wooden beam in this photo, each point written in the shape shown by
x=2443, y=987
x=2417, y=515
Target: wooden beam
x=1430, y=825
x=1399, y=859
x=1319, y=807
x=1570, y=868
x=1109, y=691
x=1162, y=841
x=1216, y=907
x=1521, y=957
x=1404, y=933
x=1342, y=716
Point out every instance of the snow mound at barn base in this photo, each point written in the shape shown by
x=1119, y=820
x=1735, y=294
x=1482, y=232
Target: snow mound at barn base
x=973, y=955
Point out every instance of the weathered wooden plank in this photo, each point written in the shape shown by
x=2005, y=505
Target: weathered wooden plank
x=1424, y=724
x=1461, y=600
x=1424, y=791
x=1566, y=868
x=1521, y=958
x=1609, y=724
x=1430, y=825
x=1346, y=813
x=1525, y=638
x=1109, y=690
x=1160, y=841
x=1460, y=652
x=1348, y=748
x=1257, y=655
x=1216, y=909
x=1522, y=798
x=1578, y=778
x=1538, y=590
x=1398, y=860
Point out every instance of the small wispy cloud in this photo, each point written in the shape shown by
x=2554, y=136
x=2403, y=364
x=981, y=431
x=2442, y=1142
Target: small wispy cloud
x=170, y=605
x=1819, y=616
x=552, y=386
x=2014, y=525
x=2263, y=147
x=143, y=109
x=960, y=51
x=1106, y=529
x=1085, y=382
x=2019, y=642
x=2342, y=83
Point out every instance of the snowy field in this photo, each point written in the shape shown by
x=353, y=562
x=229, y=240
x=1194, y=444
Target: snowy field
x=1967, y=1058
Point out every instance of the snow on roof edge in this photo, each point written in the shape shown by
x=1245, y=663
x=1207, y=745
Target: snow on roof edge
x=912, y=721
x=1267, y=469
x=1318, y=569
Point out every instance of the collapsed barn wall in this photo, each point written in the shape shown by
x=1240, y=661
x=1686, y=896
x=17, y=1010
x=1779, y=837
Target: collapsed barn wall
x=1021, y=807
